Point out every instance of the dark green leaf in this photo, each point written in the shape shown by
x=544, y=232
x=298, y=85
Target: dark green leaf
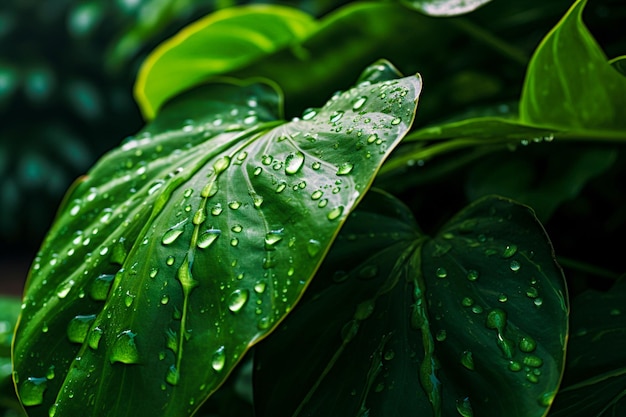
x=471, y=322
x=187, y=245
x=445, y=7
x=571, y=85
x=594, y=383
x=9, y=311
x=221, y=42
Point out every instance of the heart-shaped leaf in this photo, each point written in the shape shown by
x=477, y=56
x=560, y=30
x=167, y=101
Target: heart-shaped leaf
x=189, y=243
x=470, y=322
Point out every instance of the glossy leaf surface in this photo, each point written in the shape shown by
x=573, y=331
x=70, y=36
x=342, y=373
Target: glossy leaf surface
x=218, y=43
x=594, y=383
x=570, y=84
x=445, y=8
x=189, y=243
x=470, y=322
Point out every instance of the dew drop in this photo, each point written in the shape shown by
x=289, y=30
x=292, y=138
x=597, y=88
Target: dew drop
x=308, y=114
x=234, y=205
x=188, y=192
x=345, y=168
x=496, y=319
x=234, y=242
x=527, y=344
x=124, y=349
x=199, y=217
x=221, y=164
x=472, y=275
x=514, y=265
x=94, y=338
x=259, y=287
x=294, y=162
x=317, y=195
x=100, y=287
x=503, y=298
x=64, y=288
x=170, y=236
x=336, y=116
x=281, y=187
x=272, y=238
x=128, y=299
x=322, y=203
x=219, y=359
x=216, y=210
x=31, y=391
x=207, y=238
x=441, y=335
x=359, y=103
x=237, y=300
x=372, y=138
x=467, y=302
x=335, y=213
x=509, y=251
x=316, y=165
x=78, y=328
x=313, y=247
x=532, y=361
x=441, y=273
x=396, y=121
x=257, y=200
x=464, y=407
x=467, y=360
x=173, y=376
x=264, y=323
x=515, y=366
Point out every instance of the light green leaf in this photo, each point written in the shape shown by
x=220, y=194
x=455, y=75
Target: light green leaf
x=470, y=322
x=445, y=7
x=192, y=241
x=221, y=42
x=570, y=84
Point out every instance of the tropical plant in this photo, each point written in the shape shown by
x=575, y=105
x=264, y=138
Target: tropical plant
x=267, y=216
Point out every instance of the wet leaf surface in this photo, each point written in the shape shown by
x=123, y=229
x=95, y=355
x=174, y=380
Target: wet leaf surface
x=185, y=246
x=423, y=326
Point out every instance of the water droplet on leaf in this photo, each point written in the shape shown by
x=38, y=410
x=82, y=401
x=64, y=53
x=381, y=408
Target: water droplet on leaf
x=237, y=300
x=294, y=162
x=218, y=361
x=124, y=349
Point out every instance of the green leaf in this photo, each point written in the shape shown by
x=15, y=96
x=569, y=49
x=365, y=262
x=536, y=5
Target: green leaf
x=470, y=322
x=595, y=375
x=570, y=84
x=191, y=242
x=9, y=311
x=445, y=8
x=221, y=42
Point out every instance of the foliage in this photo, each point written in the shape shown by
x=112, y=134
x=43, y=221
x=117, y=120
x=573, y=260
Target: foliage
x=362, y=262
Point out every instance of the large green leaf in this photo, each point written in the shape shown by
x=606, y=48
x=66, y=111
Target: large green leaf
x=192, y=241
x=571, y=85
x=222, y=41
x=470, y=322
x=594, y=383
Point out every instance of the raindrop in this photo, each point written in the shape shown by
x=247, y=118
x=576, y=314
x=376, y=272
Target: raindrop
x=527, y=344
x=188, y=192
x=308, y=114
x=546, y=399
x=173, y=376
x=515, y=366
x=94, y=338
x=31, y=391
x=345, y=168
x=464, y=407
x=237, y=300
x=496, y=319
x=234, y=242
x=124, y=349
x=264, y=323
x=171, y=235
x=396, y=121
x=219, y=359
x=441, y=335
x=64, y=288
x=532, y=292
x=509, y=251
x=128, y=299
x=313, y=247
x=503, y=298
x=514, y=265
x=472, y=275
x=257, y=200
x=317, y=195
x=336, y=116
x=199, y=217
x=322, y=203
x=165, y=299
x=78, y=328
x=294, y=162
x=467, y=302
x=50, y=374
x=359, y=103
x=207, y=238
x=372, y=138
x=281, y=187
x=101, y=286
x=316, y=165
x=335, y=213
x=216, y=210
x=441, y=273
x=532, y=361
x=272, y=238
x=538, y=302
x=237, y=228
x=467, y=360
x=257, y=171
x=221, y=164
x=234, y=205
x=259, y=287
x=267, y=159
